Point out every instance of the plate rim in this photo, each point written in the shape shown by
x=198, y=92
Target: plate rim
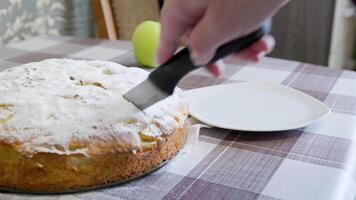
x=326, y=108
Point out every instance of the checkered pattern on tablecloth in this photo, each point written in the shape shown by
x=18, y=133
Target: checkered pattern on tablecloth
x=317, y=162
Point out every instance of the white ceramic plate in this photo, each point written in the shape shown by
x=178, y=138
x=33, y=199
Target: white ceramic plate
x=254, y=106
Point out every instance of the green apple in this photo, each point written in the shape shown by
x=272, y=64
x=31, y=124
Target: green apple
x=145, y=40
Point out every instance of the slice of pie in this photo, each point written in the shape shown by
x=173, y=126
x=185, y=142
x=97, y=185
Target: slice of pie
x=64, y=125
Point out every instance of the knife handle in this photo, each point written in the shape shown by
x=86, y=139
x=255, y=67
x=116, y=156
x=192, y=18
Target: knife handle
x=167, y=76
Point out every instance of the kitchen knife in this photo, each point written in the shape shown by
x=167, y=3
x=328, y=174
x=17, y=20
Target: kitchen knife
x=162, y=81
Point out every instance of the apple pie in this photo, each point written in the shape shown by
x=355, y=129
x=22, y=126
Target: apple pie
x=64, y=126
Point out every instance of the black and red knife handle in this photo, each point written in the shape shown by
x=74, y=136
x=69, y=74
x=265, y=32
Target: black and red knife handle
x=167, y=76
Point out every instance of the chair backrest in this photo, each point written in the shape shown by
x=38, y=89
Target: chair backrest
x=117, y=19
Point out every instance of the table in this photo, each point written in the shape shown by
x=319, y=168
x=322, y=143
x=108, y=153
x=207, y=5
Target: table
x=316, y=162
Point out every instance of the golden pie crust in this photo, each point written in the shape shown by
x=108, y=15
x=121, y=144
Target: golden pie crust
x=64, y=126
x=49, y=172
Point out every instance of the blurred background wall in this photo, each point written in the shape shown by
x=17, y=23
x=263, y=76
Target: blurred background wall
x=24, y=19
x=317, y=31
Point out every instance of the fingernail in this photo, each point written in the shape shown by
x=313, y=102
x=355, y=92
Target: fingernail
x=213, y=69
x=198, y=59
x=261, y=55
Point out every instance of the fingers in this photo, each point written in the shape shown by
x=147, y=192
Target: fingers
x=253, y=53
x=223, y=22
x=177, y=17
x=185, y=37
x=216, y=68
x=205, y=37
x=270, y=42
x=172, y=27
x=258, y=50
x=213, y=69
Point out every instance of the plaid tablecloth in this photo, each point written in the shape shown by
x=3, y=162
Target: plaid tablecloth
x=316, y=162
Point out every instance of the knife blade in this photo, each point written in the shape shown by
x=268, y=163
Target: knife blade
x=161, y=82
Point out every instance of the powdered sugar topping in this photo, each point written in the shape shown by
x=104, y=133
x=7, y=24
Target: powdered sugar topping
x=46, y=105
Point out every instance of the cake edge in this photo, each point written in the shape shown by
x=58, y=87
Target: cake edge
x=54, y=173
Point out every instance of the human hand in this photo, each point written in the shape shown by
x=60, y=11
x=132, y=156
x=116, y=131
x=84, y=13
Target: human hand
x=252, y=54
x=207, y=24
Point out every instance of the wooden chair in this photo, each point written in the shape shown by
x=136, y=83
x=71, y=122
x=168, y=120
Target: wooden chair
x=117, y=19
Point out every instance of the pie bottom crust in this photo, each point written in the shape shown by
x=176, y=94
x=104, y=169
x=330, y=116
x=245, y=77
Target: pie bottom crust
x=48, y=172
